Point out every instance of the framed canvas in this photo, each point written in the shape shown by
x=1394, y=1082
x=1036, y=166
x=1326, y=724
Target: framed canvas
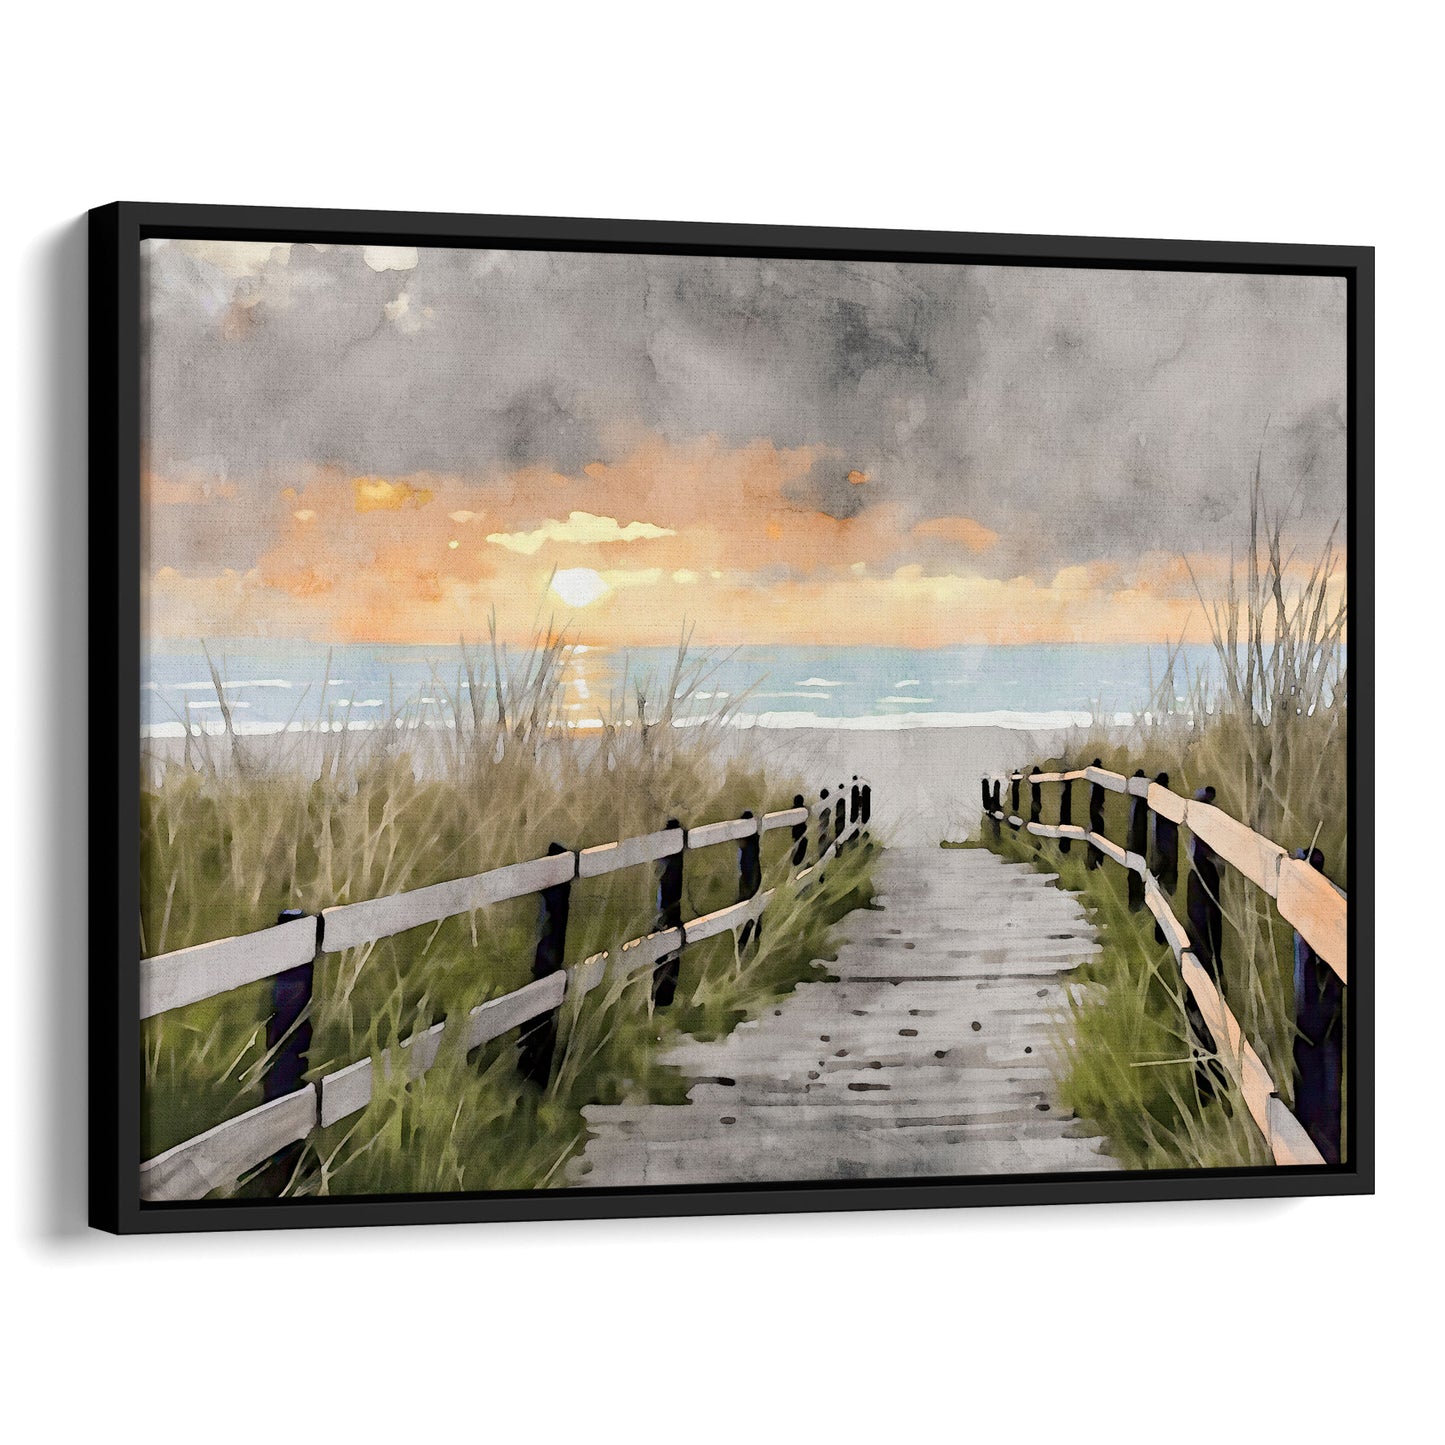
x=647, y=718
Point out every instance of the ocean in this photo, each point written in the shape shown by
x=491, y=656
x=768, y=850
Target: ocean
x=273, y=686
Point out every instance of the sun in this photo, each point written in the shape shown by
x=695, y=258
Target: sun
x=579, y=586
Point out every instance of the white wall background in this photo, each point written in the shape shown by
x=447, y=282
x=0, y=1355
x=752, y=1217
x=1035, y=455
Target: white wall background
x=1302, y=123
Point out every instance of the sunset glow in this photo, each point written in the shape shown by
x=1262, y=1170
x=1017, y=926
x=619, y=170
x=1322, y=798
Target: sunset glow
x=407, y=559
x=579, y=586
x=1000, y=458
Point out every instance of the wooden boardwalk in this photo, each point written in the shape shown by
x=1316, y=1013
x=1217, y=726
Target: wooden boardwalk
x=931, y=1055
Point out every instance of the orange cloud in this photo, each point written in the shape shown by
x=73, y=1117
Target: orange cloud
x=374, y=494
x=427, y=594
x=308, y=582
x=963, y=530
x=580, y=527
x=726, y=546
x=159, y=491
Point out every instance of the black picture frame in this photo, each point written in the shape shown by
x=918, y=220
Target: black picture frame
x=115, y=235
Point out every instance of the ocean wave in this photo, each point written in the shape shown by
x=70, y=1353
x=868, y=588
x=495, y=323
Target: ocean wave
x=894, y=722
x=215, y=728
x=209, y=686
x=813, y=682
x=1026, y=721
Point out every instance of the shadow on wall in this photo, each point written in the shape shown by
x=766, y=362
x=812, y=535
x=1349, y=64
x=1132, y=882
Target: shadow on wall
x=58, y=290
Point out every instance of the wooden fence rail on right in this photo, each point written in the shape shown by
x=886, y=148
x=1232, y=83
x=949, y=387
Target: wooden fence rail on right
x=1315, y=909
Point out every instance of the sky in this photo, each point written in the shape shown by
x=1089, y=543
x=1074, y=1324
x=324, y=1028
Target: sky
x=387, y=444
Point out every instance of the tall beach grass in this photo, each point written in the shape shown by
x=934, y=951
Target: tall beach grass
x=234, y=829
x=1270, y=737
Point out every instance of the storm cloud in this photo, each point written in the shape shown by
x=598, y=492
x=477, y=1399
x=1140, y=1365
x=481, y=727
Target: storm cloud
x=1080, y=414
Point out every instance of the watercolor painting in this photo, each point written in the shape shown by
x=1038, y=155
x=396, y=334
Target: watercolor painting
x=616, y=720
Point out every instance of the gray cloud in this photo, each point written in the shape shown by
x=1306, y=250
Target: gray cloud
x=1115, y=411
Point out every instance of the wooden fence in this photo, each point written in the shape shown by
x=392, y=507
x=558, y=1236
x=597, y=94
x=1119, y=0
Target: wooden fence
x=1314, y=908
x=287, y=954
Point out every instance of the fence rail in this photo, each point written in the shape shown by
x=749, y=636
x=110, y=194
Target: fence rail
x=1316, y=910
x=287, y=952
x=189, y=975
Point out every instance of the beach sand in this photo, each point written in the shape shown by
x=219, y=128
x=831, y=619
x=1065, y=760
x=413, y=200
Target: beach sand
x=925, y=780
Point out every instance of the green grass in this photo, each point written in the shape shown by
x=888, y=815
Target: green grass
x=1128, y=1058
x=1271, y=741
x=472, y=1124
x=233, y=830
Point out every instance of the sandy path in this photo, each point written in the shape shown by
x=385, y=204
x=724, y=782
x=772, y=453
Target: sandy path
x=925, y=779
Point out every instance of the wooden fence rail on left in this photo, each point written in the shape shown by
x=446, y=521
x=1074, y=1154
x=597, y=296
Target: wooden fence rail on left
x=284, y=953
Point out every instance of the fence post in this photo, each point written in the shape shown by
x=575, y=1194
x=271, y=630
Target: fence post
x=855, y=805
x=538, y=1040
x=1164, y=864
x=1206, y=914
x=1096, y=819
x=995, y=804
x=750, y=880
x=669, y=915
x=1066, y=811
x=1209, y=1075
x=1319, y=1014
x=840, y=817
x=1036, y=798
x=800, y=835
x=866, y=803
x=1138, y=843
x=288, y=1033
x=824, y=816
x=1164, y=860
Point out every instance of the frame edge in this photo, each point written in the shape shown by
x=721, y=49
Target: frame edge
x=114, y=233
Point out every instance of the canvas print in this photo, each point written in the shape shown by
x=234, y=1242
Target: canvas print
x=615, y=720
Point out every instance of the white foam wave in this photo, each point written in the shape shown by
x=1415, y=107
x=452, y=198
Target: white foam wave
x=815, y=682
x=894, y=722
x=209, y=686
x=1027, y=721
x=215, y=727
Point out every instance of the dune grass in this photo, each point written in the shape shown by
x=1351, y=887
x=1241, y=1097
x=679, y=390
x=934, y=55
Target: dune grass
x=1270, y=738
x=235, y=829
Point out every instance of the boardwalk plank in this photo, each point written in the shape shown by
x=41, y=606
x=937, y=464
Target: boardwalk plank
x=931, y=1053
